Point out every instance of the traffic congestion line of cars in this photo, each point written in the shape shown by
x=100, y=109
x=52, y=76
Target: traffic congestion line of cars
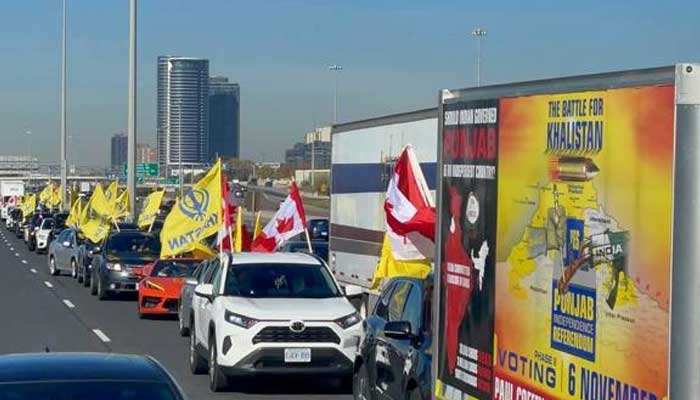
x=249, y=314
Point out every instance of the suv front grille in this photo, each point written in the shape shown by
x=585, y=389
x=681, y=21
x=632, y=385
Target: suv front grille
x=282, y=334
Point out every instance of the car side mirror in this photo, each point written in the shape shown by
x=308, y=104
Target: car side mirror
x=205, y=290
x=400, y=330
x=66, y=244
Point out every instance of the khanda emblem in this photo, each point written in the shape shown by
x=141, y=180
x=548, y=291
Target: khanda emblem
x=194, y=204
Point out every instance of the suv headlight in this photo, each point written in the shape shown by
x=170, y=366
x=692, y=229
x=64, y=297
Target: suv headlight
x=239, y=320
x=114, y=267
x=348, y=320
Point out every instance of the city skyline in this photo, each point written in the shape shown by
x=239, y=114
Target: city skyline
x=396, y=63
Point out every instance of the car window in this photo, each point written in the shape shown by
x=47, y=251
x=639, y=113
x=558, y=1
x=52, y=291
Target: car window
x=133, y=245
x=277, y=280
x=198, y=271
x=398, y=301
x=211, y=269
x=216, y=282
x=62, y=237
x=173, y=268
x=381, y=310
x=413, y=310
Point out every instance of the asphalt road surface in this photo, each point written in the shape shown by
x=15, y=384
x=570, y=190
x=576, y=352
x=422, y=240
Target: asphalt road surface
x=55, y=312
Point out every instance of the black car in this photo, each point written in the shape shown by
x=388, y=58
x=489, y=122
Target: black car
x=18, y=217
x=60, y=376
x=116, y=267
x=394, y=359
x=318, y=228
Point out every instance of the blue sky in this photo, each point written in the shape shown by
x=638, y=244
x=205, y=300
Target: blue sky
x=396, y=55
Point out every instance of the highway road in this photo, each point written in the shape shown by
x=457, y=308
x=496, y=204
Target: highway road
x=43, y=311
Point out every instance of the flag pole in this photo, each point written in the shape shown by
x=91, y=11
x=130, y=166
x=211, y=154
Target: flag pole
x=308, y=239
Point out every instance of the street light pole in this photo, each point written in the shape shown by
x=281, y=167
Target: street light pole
x=64, y=178
x=336, y=69
x=131, y=124
x=179, y=145
x=478, y=33
x=29, y=154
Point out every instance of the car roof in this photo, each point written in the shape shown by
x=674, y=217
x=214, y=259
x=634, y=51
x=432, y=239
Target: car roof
x=37, y=367
x=274, y=258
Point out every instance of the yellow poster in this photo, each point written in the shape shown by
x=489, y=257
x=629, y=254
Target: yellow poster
x=584, y=245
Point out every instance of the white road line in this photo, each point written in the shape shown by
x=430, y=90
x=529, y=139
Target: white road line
x=68, y=303
x=12, y=248
x=33, y=271
x=101, y=335
x=16, y=254
x=24, y=261
x=48, y=284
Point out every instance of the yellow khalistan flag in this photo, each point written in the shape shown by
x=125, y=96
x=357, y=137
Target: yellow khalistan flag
x=46, y=193
x=55, y=197
x=150, y=209
x=76, y=211
x=194, y=216
x=389, y=267
x=258, y=226
x=112, y=192
x=238, y=240
x=121, y=205
x=28, y=205
x=99, y=202
x=94, y=220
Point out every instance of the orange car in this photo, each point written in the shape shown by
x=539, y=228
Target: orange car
x=159, y=289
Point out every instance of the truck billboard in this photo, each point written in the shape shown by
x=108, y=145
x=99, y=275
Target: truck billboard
x=11, y=188
x=555, y=241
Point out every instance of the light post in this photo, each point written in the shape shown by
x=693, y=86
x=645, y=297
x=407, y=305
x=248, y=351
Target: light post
x=29, y=153
x=131, y=122
x=478, y=33
x=335, y=68
x=179, y=145
x=63, y=166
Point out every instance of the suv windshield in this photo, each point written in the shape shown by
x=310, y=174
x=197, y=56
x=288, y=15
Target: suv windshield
x=133, y=245
x=103, y=390
x=47, y=224
x=280, y=281
x=174, y=268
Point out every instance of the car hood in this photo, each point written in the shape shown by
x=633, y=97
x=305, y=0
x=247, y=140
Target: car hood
x=172, y=286
x=290, y=309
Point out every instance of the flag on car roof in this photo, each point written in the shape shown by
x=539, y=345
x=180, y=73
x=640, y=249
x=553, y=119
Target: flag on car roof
x=410, y=210
x=151, y=207
x=289, y=221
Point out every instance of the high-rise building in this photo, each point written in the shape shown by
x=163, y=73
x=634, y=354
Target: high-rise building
x=145, y=153
x=313, y=153
x=224, y=118
x=182, y=112
x=118, y=150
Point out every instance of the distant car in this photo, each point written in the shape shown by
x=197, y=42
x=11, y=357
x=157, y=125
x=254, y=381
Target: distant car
x=32, y=227
x=159, y=290
x=19, y=222
x=72, y=376
x=65, y=253
x=319, y=248
x=116, y=268
x=394, y=360
x=204, y=273
x=43, y=235
x=318, y=228
x=276, y=313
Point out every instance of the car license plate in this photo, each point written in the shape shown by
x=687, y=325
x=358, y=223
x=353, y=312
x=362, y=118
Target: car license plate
x=297, y=355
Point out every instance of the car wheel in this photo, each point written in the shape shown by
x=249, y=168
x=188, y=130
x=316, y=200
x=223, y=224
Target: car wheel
x=86, y=277
x=73, y=269
x=93, y=285
x=184, y=330
x=80, y=275
x=52, y=266
x=217, y=379
x=101, y=290
x=360, y=384
x=198, y=365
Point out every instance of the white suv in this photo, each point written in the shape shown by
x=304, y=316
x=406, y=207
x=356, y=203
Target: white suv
x=274, y=313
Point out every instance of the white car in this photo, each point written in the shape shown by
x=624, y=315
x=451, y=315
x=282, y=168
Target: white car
x=43, y=235
x=276, y=313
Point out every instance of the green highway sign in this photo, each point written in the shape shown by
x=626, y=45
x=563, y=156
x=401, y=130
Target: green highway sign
x=144, y=170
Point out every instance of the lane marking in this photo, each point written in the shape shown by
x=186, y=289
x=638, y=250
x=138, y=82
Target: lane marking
x=48, y=284
x=24, y=261
x=101, y=335
x=12, y=248
x=33, y=271
x=68, y=303
x=16, y=254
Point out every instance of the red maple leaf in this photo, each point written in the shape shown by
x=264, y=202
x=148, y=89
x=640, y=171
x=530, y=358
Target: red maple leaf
x=285, y=224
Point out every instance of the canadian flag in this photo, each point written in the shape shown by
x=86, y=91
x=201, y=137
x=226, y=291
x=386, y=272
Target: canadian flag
x=289, y=221
x=410, y=210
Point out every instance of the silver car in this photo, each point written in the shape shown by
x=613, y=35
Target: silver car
x=204, y=273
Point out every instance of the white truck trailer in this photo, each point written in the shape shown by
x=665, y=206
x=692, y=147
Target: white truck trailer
x=362, y=162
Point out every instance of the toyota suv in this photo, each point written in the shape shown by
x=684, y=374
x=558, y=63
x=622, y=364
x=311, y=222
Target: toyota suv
x=277, y=313
x=116, y=268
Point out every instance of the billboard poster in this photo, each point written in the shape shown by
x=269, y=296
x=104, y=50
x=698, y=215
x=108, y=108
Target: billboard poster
x=583, y=245
x=467, y=255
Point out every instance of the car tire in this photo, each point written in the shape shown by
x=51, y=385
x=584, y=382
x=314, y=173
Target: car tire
x=93, y=285
x=81, y=276
x=183, y=330
x=73, y=269
x=217, y=379
x=102, y=293
x=198, y=364
x=86, y=277
x=52, y=266
x=361, y=385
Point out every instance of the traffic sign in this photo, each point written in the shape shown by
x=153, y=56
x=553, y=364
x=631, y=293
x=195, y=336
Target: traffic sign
x=144, y=170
